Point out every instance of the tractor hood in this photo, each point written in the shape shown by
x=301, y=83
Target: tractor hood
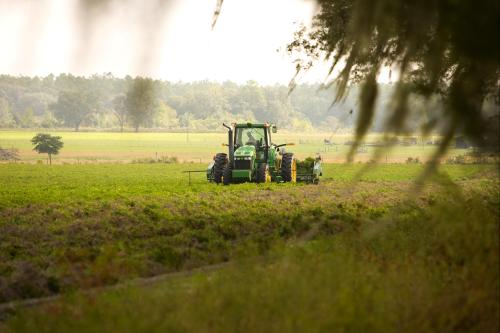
x=245, y=151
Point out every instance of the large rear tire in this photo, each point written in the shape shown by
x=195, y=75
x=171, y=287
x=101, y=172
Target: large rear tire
x=219, y=165
x=289, y=168
x=263, y=175
x=227, y=177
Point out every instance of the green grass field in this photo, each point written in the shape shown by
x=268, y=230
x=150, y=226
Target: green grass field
x=355, y=253
x=89, y=147
x=39, y=184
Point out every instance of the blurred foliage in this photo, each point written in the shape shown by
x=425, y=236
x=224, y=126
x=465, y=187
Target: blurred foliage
x=217, y=10
x=436, y=47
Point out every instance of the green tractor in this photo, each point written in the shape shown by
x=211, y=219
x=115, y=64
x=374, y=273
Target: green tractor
x=253, y=157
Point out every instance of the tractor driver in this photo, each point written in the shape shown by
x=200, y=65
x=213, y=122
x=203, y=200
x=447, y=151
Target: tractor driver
x=251, y=140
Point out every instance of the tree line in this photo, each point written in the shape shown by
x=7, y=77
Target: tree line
x=107, y=102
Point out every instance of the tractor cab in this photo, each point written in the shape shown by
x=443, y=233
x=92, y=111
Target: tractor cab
x=251, y=136
x=252, y=141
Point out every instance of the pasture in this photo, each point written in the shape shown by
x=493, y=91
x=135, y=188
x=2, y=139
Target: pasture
x=364, y=251
x=92, y=147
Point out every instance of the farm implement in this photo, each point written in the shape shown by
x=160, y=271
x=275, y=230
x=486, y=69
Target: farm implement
x=253, y=157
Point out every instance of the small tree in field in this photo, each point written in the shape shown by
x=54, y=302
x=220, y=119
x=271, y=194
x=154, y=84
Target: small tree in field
x=47, y=144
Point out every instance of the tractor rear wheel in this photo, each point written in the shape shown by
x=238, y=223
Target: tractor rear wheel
x=288, y=168
x=227, y=177
x=263, y=175
x=219, y=165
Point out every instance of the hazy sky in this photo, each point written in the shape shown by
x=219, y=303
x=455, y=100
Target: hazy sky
x=171, y=40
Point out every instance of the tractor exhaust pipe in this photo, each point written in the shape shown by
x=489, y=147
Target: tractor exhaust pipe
x=230, y=144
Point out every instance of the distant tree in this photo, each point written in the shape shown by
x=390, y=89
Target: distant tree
x=120, y=110
x=279, y=109
x=73, y=107
x=6, y=118
x=141, y=101
x=47, y=144
x=25, y=118
x=253, y=99
x=48, y=120
x=39, y=102
x=166, y=116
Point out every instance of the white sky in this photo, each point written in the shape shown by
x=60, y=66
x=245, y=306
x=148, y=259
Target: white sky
x=39, y=37
x=244, y=44
x=174, y=42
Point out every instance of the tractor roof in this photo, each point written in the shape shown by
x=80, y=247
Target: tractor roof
x=252, y=125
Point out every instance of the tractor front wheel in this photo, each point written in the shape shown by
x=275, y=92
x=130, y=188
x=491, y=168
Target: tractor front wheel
x=289, y=168
x=219, y=165
x=263, y=175
x=227, y=177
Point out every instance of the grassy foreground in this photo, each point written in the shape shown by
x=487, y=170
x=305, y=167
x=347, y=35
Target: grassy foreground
x=342, y=256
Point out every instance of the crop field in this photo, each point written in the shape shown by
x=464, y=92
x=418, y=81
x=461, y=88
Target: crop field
x=295, y=166
x=91, y=147
x=361, y=251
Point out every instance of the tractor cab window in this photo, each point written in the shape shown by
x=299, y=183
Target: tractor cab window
x=250, y=136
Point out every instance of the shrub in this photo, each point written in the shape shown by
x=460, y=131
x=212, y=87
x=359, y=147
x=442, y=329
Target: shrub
x=9, y=154
x=459, y=159
x=411, y=160
x=162, y=159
